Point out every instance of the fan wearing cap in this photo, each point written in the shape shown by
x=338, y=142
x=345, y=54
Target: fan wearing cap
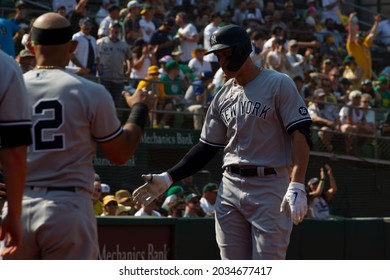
x=319, y=197
x=216, y=19
x=125, y=202
x=85, y=55
x=352, y=72
x=382, y=87
x=323, y=122
x=162, y=38
x=143, y=56
x=110, y=206
x=193, y=209
x=26, y=60
x=146, y=23
x=277, y=58
x=368, y=87
x=131, y=27
x=188, y=36
x=174, y=88
x=208, y=199
x=113, y=54
x=197, y=63
x=111, y=19
x=197, y=97
x=352, y=121
x=359, y=46
x=296, y=59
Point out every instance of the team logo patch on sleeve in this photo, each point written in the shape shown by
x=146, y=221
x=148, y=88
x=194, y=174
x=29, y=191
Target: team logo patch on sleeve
x=303, y=111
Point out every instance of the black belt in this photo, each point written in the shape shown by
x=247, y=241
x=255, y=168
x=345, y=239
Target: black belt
x=50, y=189
x=249, y=171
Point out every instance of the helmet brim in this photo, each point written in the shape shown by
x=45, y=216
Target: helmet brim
x=217, y=47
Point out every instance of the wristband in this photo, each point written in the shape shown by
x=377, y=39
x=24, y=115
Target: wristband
x=297, y=185
x=139, y=115
x=167, y=178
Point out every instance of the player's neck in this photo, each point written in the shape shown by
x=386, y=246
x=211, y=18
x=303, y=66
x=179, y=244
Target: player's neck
x=248, y=74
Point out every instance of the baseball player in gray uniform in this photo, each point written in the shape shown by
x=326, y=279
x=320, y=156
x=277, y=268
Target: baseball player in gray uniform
x=15, y=136
x=260, y=121
x=70, y=116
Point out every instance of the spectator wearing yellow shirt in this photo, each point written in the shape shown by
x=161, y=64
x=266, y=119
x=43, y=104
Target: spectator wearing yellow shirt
x=359, y=46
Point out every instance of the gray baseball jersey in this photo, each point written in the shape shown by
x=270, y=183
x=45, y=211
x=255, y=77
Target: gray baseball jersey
x=15, y=111
x=251, y=122
x=70, y=116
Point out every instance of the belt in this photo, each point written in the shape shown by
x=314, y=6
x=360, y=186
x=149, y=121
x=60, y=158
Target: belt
x=249, y=171
x=50, y=189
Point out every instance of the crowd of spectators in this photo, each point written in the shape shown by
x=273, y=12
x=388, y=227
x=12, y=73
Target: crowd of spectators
x=160, y=44
x=182, y=200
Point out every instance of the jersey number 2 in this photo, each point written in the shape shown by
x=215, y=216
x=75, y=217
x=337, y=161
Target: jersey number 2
x=50, y=118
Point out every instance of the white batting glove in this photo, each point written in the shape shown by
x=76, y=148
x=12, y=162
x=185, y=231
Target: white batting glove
x=295, y=197
x=156, y=185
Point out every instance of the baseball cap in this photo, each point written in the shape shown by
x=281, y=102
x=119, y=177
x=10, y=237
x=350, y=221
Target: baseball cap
x=292, y=42
x=366, y=82
x=145, y=8
x=177, y=51
x=191, y=197
x=171, y=65
x=108, y=198
x=153, y=70
x=210, y=187
x=349, y=58
x=169, y=22
x=122, y=195
x=199, y=48
x=97, y=177
x=175, y=190
x=133, y=4
x=312, y=9
x=165, y=59
x=313, y=181
x=319, y=92
x=20, y=3
x=25, y=53
x=382, y=79
x=115, y=23
x=354, y=94
x=85, y=21
x=105, y=188
x=113, y=7
x=328, y=61
x=360, y=34
x=279, y=40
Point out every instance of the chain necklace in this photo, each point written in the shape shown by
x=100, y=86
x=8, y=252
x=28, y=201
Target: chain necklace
x=48, y=67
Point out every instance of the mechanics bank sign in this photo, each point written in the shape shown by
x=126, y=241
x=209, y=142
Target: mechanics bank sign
x=170, y=137
x=127, y=239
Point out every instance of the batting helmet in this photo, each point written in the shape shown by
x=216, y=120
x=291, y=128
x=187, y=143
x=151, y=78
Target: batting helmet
x=232, y=36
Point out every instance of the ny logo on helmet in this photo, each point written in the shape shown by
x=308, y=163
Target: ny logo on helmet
x=213, y=40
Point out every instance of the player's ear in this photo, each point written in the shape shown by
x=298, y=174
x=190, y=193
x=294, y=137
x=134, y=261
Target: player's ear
x=73, y=46
x=30, y=46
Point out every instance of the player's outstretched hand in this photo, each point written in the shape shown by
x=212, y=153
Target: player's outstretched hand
x=140, y=96
x=295, y=197
x=156, y=185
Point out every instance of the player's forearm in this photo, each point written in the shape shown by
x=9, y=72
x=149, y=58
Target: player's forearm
x=300, y=157
x=14, y=167
x=193, y=161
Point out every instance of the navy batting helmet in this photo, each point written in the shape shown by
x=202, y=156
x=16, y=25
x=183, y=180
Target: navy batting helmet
x=232, y=36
